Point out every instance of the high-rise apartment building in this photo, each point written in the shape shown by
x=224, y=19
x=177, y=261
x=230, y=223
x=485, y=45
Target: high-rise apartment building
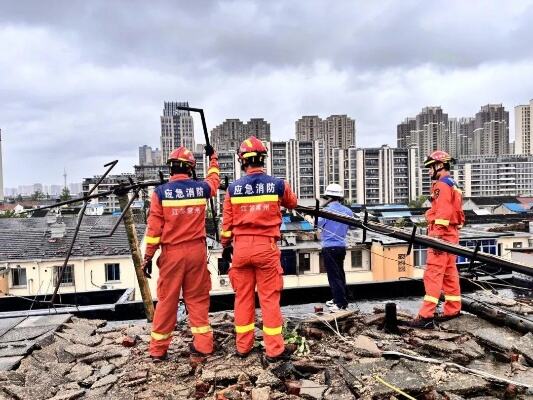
x=339, y=131
x=491, y=131
x=403, y=132
x=509, y=175
x=301, y=163
x=429, y=130
x=465, y=133
x=177, y=128
x=377, y=175
x=259, y=128
x=309, y=128
x=487, y=133
x=229, y=134
x=149, y=156
x=523, y=132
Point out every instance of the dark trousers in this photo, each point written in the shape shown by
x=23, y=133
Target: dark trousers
x=334, y=262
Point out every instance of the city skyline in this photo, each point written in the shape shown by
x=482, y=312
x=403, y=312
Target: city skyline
x=393, y=142
x=81, y=91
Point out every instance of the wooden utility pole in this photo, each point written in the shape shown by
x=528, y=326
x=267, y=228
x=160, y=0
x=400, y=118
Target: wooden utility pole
x=136, y=256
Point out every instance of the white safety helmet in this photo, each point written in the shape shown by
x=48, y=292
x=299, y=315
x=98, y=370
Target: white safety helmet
x=334, y=190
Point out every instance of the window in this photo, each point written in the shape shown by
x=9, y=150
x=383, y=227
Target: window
x=486, y=246
x=357, y=259
x=223, y=267
x=420, y=255
x=68, y=275
x=112, y=272
x=517, y=245
x=304, y=262
x=18, y=277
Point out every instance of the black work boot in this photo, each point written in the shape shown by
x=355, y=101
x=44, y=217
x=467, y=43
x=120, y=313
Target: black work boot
x=242, y=355
x=156, y=359
x=422, y=323
x=286, y=355
x=194, y=352
x=443, y=318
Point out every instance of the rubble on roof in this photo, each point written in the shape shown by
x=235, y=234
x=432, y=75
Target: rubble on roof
x=343, y=359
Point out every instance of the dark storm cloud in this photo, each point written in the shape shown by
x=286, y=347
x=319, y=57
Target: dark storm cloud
x=237, y=35
x=84, y=82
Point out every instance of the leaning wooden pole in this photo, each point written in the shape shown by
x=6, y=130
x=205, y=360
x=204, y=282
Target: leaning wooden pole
x=136, y=256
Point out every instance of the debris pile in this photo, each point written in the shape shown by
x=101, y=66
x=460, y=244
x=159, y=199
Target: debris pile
x=344, y=355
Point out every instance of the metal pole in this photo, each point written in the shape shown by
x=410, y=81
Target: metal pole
x=420, y=239
x=206, y=136
x=136, y=256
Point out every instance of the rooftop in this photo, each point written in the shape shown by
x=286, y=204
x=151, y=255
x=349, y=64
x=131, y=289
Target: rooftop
x=344, y=355
x=31, y=238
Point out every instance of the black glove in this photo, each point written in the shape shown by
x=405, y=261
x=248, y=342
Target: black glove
x=227, y=254
x=209, y=151
x=147, y=267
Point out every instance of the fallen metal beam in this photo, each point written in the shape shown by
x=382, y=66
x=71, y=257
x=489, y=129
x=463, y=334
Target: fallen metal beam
x=424, y=240
x=496, y=314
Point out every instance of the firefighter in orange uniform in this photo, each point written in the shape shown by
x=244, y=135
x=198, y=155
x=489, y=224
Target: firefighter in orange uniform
x=444, y=218
x=252, y=219
x=177, y=224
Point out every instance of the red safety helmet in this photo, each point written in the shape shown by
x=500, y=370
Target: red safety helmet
x=438, y=156
x=182, y=154
x=251, y=147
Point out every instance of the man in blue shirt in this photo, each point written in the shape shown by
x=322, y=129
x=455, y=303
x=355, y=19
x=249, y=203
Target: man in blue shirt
x=333, y=239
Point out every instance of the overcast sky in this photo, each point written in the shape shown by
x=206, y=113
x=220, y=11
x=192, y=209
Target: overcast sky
x=83, y=82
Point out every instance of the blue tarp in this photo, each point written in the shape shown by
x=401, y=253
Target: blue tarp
x=515, y=207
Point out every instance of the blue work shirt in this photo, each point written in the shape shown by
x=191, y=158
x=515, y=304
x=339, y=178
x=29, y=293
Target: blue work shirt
x=333, y=233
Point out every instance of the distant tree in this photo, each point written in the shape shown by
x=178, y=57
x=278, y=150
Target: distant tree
x=19, y=198
x=37, y=195
x=9, y=214
x=418, y=203
x=65, y=194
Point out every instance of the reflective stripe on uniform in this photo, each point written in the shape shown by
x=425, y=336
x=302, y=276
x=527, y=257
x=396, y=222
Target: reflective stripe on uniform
x=200, y=329
x=160, y=336
x=255, y=199
x=152, y=239
x=444, y=222
x=272, y=331
x=213, y=170
x=184, y=202
x=450, y=297
x=244, y=328
x=225, y=234
x=431, y=299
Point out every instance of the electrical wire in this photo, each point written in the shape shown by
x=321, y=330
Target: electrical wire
x=390, y=386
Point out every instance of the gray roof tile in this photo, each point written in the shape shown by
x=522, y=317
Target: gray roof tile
x=30, y=238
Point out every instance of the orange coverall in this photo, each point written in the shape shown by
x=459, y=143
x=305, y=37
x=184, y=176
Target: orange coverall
x=177, y=224
x=252, y=219
x=445, y=218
